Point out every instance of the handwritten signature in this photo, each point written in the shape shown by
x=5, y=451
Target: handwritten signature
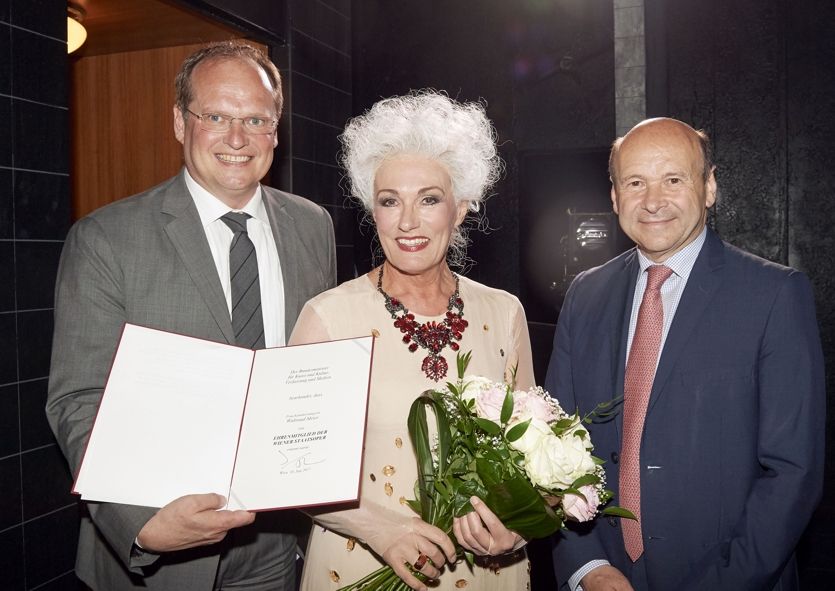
x=306, y=459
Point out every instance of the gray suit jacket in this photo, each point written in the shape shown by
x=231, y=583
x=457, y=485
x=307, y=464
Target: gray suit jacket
x=146, y=260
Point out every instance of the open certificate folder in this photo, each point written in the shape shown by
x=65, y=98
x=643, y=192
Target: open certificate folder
x=268, y=429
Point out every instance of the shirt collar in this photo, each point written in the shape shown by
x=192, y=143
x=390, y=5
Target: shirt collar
x=210, y=208
x=681, y=262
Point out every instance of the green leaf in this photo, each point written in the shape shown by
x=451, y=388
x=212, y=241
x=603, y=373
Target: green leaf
x=419, y=433
x=521, y=508
x=516, y=431
x=507, y=408
x=563, y=424
x=414, y=505
x=513, y=371
x=619, y=512
x=494, y=455
x=463, y=360
x=488, y=426
x=585, y=479
x=490, y=471
x=602, y=410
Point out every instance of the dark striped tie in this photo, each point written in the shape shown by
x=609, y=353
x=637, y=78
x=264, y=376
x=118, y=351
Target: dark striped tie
x=247, y=320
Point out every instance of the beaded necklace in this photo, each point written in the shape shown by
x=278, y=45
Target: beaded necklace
x=432, y=336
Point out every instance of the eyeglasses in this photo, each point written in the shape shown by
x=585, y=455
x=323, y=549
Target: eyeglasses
x=219, y=123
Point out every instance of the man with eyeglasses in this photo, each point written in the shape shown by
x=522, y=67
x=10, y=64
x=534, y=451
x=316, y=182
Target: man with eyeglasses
x=170, y=258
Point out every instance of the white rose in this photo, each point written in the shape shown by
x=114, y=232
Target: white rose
x=536, y=431
x=575, y=430
x=473, y=385
x=555, y=462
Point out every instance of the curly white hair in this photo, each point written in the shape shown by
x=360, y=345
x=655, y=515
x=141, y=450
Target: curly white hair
x=426, y=123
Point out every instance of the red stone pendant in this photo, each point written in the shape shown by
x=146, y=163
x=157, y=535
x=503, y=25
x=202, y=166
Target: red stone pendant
x=435, y=368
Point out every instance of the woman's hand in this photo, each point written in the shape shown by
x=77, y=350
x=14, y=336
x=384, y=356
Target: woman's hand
x=425, y=547
x=482, y=533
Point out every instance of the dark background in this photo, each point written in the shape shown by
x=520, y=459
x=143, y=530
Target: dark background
x=757, y=75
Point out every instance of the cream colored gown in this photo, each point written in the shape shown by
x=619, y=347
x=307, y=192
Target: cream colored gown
x=497, y=335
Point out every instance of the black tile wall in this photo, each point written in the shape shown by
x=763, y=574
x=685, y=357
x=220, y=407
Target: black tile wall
x=320, y=21
x=345, y=268
x=34, y=337
x=49, y=556
x=35, y=263
x=8, y=348
x=9, y=424
x=10, y=509
x=34, y=429
x=42, y=210
x=11, y=558
x=320, y=87
x=67, y=582
x=40, y=16
x=35, y=502
x=39, y=78
x=542, y=341
x=7, y=274
x=315, y=141
x=320, y=102
x=5, y=56
x=46, y=482
x=344, y=223
x=328, y=65
x=6, y=203
x=316, y=181
x=41, y=141
x=343, y=7
x=5, y=131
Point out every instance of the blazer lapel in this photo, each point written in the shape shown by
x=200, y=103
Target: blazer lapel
x=701, y=286
x=287, y=243
x=186, y=233
x=622, y=296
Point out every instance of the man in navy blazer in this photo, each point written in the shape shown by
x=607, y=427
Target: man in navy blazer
x=731, y=455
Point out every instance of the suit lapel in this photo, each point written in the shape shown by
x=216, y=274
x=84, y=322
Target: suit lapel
x=704, y=280
x=287, y=241
x=186, y=233
x=622, y=296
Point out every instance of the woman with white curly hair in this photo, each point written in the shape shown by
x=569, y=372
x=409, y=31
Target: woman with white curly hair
x=418, y=164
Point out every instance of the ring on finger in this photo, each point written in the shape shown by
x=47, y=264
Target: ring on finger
x=420, y=562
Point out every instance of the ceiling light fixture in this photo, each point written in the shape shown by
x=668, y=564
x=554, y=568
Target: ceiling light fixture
x=76, y=33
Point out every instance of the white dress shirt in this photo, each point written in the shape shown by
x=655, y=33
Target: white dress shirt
x=211, y=209
x=682, y=264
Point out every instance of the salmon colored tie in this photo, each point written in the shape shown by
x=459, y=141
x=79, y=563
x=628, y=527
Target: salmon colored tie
x=640, y=373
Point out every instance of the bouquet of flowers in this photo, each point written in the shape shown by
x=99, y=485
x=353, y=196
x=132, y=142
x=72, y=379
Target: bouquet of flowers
x=518, y=451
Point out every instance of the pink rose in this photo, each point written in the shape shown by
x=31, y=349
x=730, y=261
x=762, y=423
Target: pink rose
x=488, y=403
x=532, y=405
x=581, y=509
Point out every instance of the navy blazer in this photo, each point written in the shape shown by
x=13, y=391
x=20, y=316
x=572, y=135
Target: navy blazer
x=733, y=443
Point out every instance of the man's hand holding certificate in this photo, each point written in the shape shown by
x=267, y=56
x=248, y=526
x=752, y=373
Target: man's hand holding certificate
x=265, y=429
